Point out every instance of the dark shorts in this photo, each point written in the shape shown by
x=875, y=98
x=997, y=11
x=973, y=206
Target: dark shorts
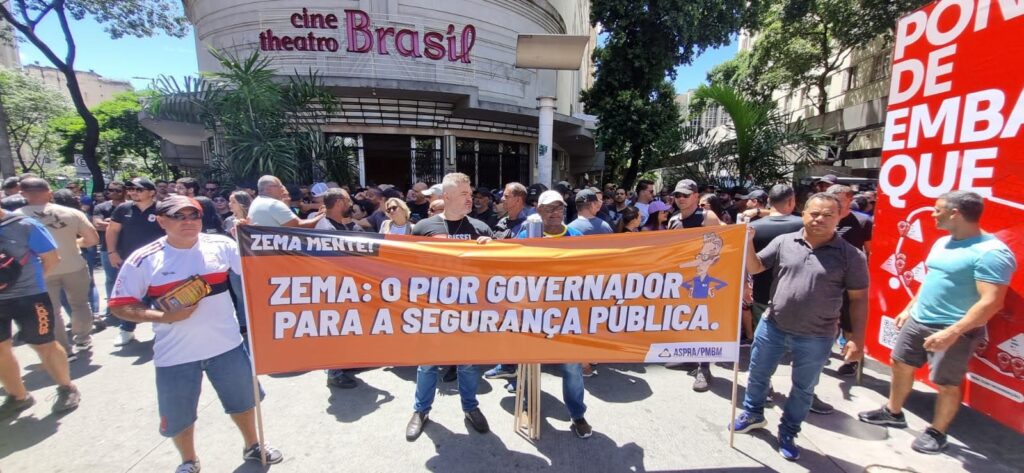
x=947, y=367
x=34, y=316
x=178, y=388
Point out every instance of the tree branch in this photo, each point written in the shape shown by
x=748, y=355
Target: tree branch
x=42, y=13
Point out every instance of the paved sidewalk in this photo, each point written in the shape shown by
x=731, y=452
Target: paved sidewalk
x=645, y=418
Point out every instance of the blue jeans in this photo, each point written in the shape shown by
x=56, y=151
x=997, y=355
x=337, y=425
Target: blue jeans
x=572, y=389
x=426, y=387
x=809, y=357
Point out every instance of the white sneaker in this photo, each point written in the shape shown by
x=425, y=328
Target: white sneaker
x=124, y=338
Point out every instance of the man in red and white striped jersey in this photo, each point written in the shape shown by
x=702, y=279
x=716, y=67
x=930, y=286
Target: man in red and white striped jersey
x=190, y=341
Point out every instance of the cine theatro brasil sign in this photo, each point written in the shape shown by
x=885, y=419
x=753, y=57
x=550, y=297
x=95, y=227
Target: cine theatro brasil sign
x=361, y=37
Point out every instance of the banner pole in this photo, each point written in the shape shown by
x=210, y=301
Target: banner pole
x=251, y=351
x=735, y=389
x=739, y=332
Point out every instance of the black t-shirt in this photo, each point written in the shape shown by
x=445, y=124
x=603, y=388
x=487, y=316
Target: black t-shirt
x=855, y=229
x=508, y=228
x=103, y=210
x=466, y=229
x=418, y=212
x=489, y=217
x=138, y=227
x=767, y=229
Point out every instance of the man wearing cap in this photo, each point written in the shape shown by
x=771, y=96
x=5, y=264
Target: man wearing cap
x=514, y=200
x=482, y=208
x=533, y=193
x=454, y=223
x=691, y=215
x=588, y=223
x=193, y=340
x=757, y=203
x=132, y=226
x=269, y=210
x=313, y=199
x=13, y=200
x=824, y=182
x=70, y=228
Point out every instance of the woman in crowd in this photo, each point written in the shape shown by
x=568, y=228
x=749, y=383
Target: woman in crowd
x=212, y=222
x=220, y=202
x=630, y=221
x=658, y=214
x=398, y=218
x=238, y=202
x=711, y=203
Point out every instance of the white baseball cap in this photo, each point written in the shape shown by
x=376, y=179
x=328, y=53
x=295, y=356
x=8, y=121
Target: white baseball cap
x=550, y=197
x=434, y=191
x=318, y=189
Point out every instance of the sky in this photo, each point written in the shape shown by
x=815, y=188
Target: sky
x=139, y=60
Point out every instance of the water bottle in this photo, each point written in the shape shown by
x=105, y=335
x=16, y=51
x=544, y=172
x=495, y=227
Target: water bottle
x=534, y=226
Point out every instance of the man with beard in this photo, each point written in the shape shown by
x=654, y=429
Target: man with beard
x=482, y=210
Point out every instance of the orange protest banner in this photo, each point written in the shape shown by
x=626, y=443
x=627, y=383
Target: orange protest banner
x=323, y=299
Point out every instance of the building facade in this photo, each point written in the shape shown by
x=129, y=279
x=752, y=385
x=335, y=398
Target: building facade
x=95, y=88
x=425, y=87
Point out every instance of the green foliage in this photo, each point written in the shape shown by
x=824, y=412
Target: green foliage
x=30, y=105
x=638, y=119
x=125, y=146
x=266, y=125
x=764, y=148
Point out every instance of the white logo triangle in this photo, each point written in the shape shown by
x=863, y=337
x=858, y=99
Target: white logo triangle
x=1014, y=346
x=914, y=233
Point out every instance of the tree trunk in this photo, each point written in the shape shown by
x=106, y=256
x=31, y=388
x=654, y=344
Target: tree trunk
x=92, y=129
x=6, y=153
x=635, y=153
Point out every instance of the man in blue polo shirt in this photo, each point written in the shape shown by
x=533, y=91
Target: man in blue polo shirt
x=969, y=272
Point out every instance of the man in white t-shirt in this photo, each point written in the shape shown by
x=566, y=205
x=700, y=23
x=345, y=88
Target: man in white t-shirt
x=72, y=231
x=191, y=340
x=268, y=210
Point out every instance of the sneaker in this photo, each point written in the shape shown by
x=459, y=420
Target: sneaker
x=68, y=398
x=589, y=370
x=581, y=428
x=253, y=454
x=930, y=441
x=83, y=345
x=191, y=466
x=883, y=416
x=821, y=407
x=510, y=386
x=342, y=381
x=501, y=372
x=72, y=356
x=415, y=426
x=847, y=369
x=746, y=422
x=702, y=380
x=788, y=448
x=450, y=374
x=477, y=420
x=124, y=337
x=11, y=406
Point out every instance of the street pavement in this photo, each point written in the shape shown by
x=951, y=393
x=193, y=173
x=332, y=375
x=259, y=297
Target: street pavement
x=646, y=418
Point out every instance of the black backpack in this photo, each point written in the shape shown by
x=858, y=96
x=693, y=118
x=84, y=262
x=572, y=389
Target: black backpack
x=10, y=266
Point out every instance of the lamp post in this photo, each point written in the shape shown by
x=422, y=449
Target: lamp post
x=553, y=52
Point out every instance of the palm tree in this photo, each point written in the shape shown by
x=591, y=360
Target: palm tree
x=261, y=124
x=763, y=147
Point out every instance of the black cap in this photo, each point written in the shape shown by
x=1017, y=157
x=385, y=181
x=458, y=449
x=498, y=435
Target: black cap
x=829, y=178
x=756, y=194
x=484, y=191
x=11, y=182
x=535, y=190
x=586, y=195
x=143, y=183
x=563, y=187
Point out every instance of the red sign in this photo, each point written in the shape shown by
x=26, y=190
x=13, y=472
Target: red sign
x=954, y=122
x=363, y=38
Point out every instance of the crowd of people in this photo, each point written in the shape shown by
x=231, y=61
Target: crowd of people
x=807, y=288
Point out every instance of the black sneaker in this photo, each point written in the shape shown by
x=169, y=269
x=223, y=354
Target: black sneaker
x=882, y=416
x=253, y=454
x=72, y=356
x=342, y=381
x=478, y=421
x=931, y=442
x=821, y=407
x=68, y=398
x=191, y=466
x=11, y=406
x=847, y=369
x=581, y=428
x=415, y=426
x=450, y=374
x=702, y=380
x=83, y=345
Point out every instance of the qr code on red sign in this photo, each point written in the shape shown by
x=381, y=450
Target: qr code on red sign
x=888, y=333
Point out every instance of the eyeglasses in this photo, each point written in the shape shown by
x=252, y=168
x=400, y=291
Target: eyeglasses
x=189, y=216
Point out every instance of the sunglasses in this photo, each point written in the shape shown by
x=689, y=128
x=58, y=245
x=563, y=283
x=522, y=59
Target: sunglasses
x=391, y=209
x=188, y=216
x=680, y=194
x=115, y=190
